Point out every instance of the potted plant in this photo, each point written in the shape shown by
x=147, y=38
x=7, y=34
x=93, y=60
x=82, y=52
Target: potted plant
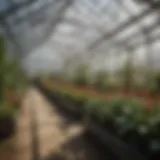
x=7, y=123
x=125, y=123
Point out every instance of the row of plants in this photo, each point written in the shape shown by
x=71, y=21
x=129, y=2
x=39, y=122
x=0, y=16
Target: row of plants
x=149, y=99
x=126, y=118
x=12, y=83
x=126, y=78
x=129, y=120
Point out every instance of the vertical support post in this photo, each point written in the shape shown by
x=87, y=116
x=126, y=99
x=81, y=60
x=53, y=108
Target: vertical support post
x=2, y=66
x=149, y=56
x=129, y=70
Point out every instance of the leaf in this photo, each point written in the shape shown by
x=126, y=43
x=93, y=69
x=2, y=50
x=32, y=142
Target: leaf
x=155, y=145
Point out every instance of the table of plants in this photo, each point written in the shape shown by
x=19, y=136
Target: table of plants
x=123, y=121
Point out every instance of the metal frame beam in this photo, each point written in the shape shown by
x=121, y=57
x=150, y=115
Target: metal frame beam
x=125, y=25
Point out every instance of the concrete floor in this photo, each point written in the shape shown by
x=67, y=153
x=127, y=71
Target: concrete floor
x=43, y=133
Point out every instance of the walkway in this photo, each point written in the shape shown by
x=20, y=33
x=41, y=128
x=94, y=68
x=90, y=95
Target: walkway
x=45, y=134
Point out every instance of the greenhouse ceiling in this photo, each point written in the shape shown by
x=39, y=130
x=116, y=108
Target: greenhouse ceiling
x=84, y=29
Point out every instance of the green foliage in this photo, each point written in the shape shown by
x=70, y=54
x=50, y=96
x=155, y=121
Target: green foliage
x=6, y=112
x=100, y=80
x=133, y=122
x=2, y=65
x=154, y=86
x=78, y=100
x=127, y=73
x=114, y=84
x=126, y=117
x=2, y=51
x=80, y=75
x=11, y=76
x=94, y=108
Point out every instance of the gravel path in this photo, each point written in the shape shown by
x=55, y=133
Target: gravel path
x=45, y=134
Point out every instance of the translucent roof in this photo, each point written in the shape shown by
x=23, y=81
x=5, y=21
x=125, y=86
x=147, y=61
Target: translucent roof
x=86, y=28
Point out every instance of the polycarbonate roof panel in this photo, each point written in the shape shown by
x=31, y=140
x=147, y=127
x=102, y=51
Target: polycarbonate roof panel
x=71, y=27
x=32, y=24
x=94, y=18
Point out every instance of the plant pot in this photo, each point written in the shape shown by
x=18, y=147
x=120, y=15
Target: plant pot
x=133, y=139
x=70, y=107
x=112, y=143
x=7, y=127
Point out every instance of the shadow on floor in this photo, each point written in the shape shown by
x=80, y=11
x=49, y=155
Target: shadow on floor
x=78, y=148
x=68, y=118
x=81, y=147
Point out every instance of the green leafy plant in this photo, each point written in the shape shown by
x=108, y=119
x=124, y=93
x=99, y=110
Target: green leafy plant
x=127, y=118
x=80, y=75
x=6, y=112
x=10, y=83
x=11, y=75
x=127, y=74
x=154, y=86
x=100, y=80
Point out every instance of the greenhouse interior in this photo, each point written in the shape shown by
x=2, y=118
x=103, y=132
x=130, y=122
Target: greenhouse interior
x=80, y=80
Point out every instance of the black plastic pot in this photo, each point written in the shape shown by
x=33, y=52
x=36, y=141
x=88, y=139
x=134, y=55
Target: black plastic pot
x=70, y=107
x=112, y=143
x=7, y=127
